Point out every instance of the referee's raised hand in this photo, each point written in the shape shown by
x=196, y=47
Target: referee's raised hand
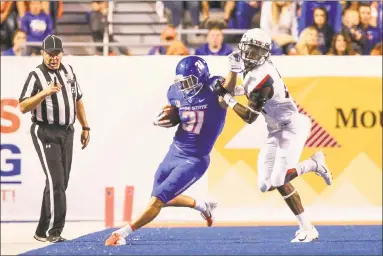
x=53, y=88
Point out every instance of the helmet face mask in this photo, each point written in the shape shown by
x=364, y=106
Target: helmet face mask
x=253, y=55
x=188, y=85
x=191, y=74
x=255, y=47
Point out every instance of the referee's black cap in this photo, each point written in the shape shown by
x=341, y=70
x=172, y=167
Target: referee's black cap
x=52, y=43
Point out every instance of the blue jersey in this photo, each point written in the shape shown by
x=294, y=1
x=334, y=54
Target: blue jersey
x=380, y=16
x=334, y=14
x=8, y=52
x=204, y=50
x=370, y=37
x=202, y=120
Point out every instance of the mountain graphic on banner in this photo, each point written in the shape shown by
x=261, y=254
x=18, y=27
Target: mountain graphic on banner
x=251, y=136
x=306, y=192
x=356, y=186
x=218, y=168
x=238, y=187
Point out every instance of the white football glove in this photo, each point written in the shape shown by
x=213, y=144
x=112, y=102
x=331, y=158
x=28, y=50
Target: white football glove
x=238, y=91
x=235, y=61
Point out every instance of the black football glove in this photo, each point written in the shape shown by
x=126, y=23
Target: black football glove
x=218, y=88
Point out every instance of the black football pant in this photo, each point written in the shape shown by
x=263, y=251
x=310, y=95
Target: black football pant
x=54, y=146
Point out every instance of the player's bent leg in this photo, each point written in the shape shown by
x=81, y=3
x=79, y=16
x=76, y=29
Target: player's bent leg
x=292, y=198
x=307, y=232
x=292, y=142
x=321, y=168
x=315, y=164
x=163, y=170
x=205, y=207
x=155, y=205
x=266, y=163
x=187, y=172
x=287, y=156
x=150, y=213
x=182, y=201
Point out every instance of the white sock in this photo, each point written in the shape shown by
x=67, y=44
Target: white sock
x=200, y=206
x=304, y=223
x=306, y=166
x=125, y=231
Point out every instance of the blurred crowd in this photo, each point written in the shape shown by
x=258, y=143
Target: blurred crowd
x=23, y=21
x=296, y=28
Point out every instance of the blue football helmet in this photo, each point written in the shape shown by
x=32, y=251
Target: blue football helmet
x=192, y=73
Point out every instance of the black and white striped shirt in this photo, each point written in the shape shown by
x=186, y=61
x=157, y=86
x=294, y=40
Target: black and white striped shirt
x=58, y=108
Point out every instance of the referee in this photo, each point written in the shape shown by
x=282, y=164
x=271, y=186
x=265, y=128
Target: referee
x=52, y=94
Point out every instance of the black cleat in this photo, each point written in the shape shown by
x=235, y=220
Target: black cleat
x=56, y=239
x=40, y=238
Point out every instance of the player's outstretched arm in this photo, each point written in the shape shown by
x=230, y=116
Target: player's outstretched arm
x=230, y=81
x=236, y=64
x=247, y=114
x=257, y=100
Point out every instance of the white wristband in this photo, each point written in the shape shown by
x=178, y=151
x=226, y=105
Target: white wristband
x=230, y=100
x=254, y=111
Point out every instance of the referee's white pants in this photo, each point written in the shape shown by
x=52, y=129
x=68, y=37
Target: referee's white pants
x=282, y=151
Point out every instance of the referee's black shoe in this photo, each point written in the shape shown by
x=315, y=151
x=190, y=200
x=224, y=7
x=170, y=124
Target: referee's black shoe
x=40, y=238
x=56, y=239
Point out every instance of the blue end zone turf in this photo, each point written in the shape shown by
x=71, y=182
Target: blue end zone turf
x=333, y=240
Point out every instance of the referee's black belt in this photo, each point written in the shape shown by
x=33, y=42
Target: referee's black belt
x=58, y=126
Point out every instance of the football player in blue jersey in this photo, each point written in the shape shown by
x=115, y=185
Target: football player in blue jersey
x=202, y=117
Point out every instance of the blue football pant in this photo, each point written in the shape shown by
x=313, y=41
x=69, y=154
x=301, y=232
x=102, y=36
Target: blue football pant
x=177, y=172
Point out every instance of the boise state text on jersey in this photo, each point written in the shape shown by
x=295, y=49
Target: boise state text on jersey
x=202, y=119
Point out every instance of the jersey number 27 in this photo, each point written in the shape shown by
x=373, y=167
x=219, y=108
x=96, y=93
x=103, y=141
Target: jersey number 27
x=194, y=124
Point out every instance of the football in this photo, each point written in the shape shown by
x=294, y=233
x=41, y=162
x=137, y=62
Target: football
x=168, y=117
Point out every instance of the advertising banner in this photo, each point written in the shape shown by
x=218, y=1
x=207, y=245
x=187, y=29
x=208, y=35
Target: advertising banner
x=122, y=95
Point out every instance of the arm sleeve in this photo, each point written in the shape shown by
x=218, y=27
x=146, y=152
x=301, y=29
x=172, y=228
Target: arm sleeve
x=294, y=25
x=49, y=29
x=228, y=49
x=258, y=99
x=338, y=18
x=170, y=97
x=78, y=89
x=379, y=36
x=267, y=81
x=302, y=19
x=30, y=87
x=152, y=51
x=258, y=81
x=25, y=24
x=265, y=17
x=260, y=89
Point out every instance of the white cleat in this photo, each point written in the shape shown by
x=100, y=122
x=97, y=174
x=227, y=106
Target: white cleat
x=115, y=239
x=208, y=214
x=322, y=169
x=306, y=236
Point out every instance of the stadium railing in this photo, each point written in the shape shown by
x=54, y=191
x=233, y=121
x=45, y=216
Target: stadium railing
x=106, y=44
